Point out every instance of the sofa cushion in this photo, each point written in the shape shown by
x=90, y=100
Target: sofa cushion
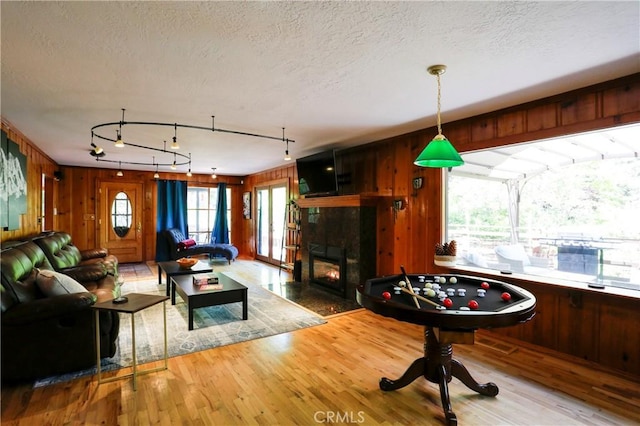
x=53, y=283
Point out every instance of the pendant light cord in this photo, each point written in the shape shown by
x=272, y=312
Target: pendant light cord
x=438, y=113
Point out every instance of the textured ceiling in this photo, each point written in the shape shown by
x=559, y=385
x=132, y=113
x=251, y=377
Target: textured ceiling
x=334, y=74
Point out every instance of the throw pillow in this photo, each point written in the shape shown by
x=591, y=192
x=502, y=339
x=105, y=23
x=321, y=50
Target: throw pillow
x=53, y=283
x=185, y=244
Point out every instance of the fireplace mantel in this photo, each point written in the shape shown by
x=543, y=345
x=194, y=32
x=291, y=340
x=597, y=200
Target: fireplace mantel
x=340, y=201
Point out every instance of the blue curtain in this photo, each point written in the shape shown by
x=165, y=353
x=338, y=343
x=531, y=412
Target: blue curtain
x=220, y=232
x=172, y=213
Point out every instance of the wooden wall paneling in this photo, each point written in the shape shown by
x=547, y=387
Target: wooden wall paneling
x=618, y=336
x=579, y=336
x=402, y=173
x=621, y=99
x=579, y=109
x=384, y=163
x=38, y=163
x=510, y=123
x=418, y=205
x=483, y=129
x=542, y=117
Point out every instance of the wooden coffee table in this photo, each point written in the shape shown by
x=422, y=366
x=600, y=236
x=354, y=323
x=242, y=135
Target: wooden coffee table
x=171, y=268
x=231, y=292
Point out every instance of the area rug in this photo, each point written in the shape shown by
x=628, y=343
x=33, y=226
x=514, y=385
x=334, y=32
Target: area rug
x=214, y=326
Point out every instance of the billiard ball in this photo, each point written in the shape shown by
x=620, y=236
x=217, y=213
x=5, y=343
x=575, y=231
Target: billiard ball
x=453, y=280
x=447, y=302
x=506, y=296
x=485, y=285
x=386, y=295
x=430, y=292
x=443, y=280
x=473, y=304
x=402, y=284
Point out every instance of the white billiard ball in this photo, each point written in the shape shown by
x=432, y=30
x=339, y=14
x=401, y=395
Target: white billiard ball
x=453, y=280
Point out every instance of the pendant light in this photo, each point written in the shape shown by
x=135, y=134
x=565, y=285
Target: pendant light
x=439, y=153
x=213, y=175
x=119, y=173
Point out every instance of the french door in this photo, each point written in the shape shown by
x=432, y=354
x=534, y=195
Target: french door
x=271, y=202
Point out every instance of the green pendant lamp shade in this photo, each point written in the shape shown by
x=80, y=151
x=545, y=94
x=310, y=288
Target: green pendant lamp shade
x=439, y=153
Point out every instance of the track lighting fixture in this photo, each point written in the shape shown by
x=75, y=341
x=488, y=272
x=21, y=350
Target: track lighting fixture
x=156, y=175
x=287, y=157
x=97, y=151
x=119, y=174
x=189, y=172
x=214, y=175
x=174, y=146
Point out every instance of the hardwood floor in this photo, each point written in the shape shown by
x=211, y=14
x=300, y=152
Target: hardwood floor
x=329, y=374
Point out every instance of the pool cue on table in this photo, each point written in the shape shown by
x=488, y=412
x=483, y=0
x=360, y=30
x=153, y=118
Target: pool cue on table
x=406, y=280
x=417, y=296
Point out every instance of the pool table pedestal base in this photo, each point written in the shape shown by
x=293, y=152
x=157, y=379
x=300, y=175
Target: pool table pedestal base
x=438, y=366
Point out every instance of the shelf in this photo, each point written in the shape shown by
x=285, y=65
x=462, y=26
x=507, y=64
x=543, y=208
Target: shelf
x=341, y=201
x=288, y=266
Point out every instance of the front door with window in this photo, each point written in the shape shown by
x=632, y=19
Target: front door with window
x=271, y=203
x=121, y=220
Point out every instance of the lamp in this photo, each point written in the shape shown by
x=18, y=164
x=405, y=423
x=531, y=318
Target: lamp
x=119, y=143
x=287, y=157
x=156, y=175
x=214, y=175
x=97, y=151
x=175, y=145
x=189, y=174
x=184, y=159
x=439, y=153
x=119, y=174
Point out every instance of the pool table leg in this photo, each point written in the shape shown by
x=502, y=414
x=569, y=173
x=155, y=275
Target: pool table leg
x=460, y=371
x=413, y=372
x=449, y=415
x=438, y=366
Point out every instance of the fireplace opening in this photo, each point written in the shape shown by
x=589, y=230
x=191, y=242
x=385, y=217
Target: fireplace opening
x=328, y=268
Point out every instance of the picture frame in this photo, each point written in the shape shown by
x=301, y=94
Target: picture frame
x=246, y=205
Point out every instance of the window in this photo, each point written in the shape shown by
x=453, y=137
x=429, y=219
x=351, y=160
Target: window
x=201, y=212
x=564, y=209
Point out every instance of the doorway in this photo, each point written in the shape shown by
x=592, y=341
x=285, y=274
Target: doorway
x=120, y=222
x=271, y=202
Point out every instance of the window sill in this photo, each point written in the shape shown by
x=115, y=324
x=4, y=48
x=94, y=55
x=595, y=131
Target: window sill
x=517, y=278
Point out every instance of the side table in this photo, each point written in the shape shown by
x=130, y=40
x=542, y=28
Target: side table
x=171, y=268
x=137, y=302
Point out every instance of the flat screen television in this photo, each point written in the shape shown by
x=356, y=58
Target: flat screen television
x=317, y=174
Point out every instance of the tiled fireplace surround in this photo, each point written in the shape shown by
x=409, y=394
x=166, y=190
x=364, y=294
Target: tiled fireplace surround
x=350, y=228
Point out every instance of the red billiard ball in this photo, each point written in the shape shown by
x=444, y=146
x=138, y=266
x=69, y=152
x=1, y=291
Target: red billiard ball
x=386, y=295
x=506, y=296
x=473, y=304
x=447, y=303
x=485, y=285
